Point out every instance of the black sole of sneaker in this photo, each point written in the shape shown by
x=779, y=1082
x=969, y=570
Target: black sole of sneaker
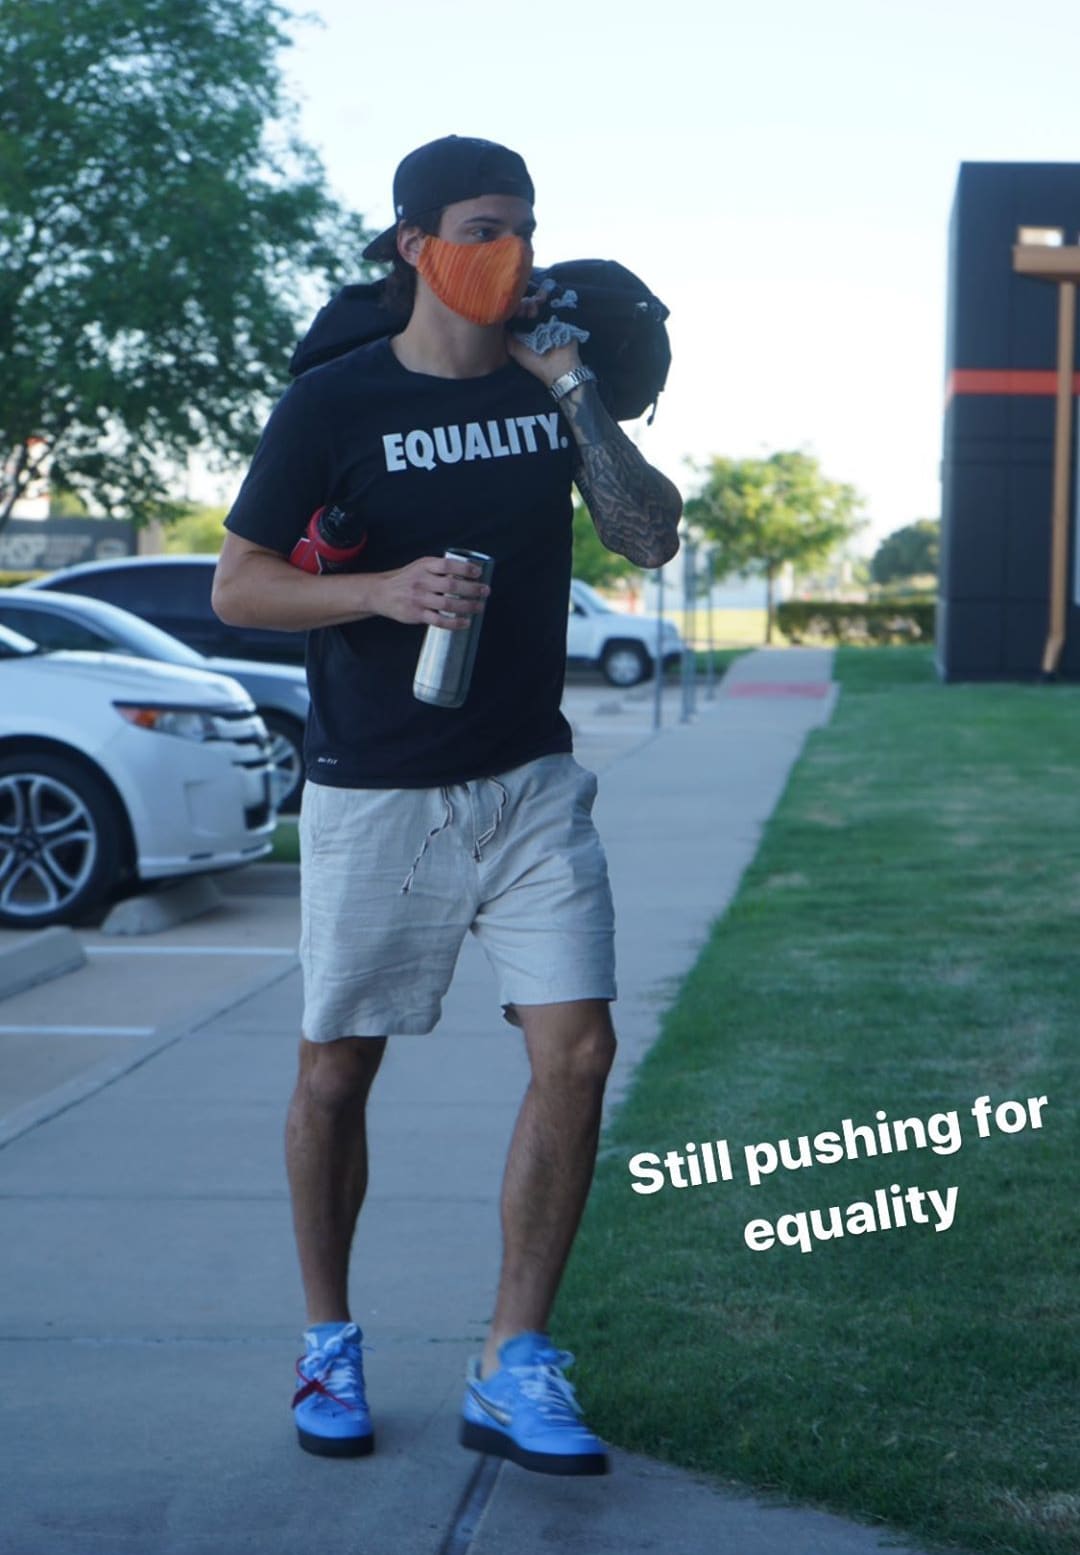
x=481, y=1438
x=336, y=1446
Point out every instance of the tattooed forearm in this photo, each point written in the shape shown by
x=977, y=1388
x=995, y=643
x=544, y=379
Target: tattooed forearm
x=636, y=510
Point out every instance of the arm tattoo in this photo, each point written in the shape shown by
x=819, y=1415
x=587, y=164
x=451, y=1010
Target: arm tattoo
x=636, y=510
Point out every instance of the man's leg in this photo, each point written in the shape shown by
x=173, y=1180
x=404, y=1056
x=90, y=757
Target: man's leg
x=326, y=1158
x=550, y=1164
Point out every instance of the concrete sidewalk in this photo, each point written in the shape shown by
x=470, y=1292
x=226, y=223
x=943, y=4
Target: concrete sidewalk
x=150, y=1305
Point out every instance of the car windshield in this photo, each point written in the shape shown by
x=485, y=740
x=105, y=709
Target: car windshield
x=13, y=645
x=593, y=598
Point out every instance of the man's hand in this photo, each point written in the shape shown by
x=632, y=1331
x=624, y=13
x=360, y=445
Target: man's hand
x=423, y=592
x=255, y=586
x=635, y=509
x=549, y=365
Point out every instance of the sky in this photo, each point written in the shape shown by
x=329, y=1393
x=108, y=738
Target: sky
x=780, y=176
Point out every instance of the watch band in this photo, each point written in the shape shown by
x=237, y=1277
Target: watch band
x=570, y=381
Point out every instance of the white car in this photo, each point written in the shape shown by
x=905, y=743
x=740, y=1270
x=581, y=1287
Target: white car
x=59, y=619
x=621, y=646
x=115, y=769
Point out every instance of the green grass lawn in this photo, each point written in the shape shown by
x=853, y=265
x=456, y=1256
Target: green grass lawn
x=733, y=628
x=884, y=669
x=906, y=940
x=722, y=659
x=286, y=849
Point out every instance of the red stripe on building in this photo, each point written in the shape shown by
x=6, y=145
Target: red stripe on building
x=976, y=380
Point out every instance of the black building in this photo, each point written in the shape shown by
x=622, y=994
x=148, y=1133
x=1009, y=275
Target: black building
x=997, y=472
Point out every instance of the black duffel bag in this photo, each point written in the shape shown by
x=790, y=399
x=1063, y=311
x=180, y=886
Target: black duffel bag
x=627, y=348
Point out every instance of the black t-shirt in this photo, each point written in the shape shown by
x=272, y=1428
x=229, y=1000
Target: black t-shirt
x=478, y=463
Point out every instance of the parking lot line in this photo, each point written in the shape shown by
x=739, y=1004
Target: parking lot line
x=79, y=1031
x=188, y=950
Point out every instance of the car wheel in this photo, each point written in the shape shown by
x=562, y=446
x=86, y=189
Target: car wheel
x=60, y=841
x=625, y=664
x=287, y=757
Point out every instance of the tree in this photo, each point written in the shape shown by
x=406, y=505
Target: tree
x=909, y=552
x=161, y=231
x=593, y=562
x=762, y=513
x=198, y=530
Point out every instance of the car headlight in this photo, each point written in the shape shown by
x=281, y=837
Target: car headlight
x=169, y=720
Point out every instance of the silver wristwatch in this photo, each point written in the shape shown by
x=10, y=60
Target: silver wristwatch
x=568, y=381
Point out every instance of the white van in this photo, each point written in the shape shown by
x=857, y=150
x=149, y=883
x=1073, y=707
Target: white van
x=623, y=647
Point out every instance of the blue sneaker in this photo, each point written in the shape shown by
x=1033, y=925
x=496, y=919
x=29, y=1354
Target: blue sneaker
x=331, y=1411
x=526, y=1411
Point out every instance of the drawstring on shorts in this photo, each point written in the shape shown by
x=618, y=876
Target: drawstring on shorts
x=493, y=828
x=447, y=820
x=434, y=832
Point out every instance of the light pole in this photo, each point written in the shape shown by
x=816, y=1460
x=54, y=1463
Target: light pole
x=1040, y=252
x=689, y=660
x=710, y=688
x=658, y=676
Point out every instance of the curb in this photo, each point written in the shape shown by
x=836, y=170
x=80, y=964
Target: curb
x=150, y=913
x=46, y=954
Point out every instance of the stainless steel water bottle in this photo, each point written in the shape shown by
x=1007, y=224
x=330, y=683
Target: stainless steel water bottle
x=444, y=668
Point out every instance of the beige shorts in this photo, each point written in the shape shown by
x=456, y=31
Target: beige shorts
x=392, y=879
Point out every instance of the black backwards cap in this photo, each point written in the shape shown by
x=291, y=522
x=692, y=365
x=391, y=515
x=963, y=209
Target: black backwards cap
x=457, y=167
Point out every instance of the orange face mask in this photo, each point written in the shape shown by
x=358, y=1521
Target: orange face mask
x=483, y=282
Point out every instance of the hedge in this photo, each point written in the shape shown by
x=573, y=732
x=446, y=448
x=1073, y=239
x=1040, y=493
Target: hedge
x=873, y=621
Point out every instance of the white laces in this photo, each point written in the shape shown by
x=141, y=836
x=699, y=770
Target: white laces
x=336, y=1365
x=545, y=1386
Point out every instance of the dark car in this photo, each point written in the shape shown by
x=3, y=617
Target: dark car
x=173, y=592
x=66, y=622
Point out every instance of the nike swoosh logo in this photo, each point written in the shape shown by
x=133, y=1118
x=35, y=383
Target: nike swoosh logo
x=503, y=1416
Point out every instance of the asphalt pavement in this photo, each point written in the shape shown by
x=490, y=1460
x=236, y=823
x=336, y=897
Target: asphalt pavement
x=150, y=1305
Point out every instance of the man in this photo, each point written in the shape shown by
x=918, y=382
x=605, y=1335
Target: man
x=419, y=823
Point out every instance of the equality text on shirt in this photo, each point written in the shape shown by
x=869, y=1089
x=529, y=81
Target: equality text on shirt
x=422, y=449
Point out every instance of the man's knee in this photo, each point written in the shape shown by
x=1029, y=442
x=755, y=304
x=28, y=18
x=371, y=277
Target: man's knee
x=570, y=1045
x=339, y=1074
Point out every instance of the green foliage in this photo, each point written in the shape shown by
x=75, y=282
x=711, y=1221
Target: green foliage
x=875, y=621
x=762, y=513
x=593, y=562
x=919, y=584
x=160, y=224
x=908, y=552
x=198, y=531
